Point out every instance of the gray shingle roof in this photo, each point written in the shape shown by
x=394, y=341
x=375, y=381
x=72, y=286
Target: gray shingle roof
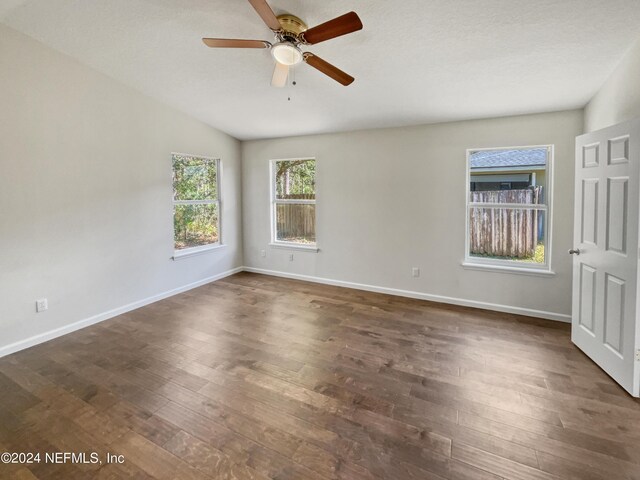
x=531, y=157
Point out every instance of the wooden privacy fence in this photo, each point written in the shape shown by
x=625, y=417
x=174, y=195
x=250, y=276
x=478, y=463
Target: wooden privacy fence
x=296, y=221
x=505, y=232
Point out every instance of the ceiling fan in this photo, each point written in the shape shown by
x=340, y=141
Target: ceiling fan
x=290, y=34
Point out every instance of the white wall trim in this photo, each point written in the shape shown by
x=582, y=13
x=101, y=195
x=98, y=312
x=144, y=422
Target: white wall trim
x=190, y=252
x=489, y=267
x=58, y=332
x=293, y=246
x=560, y=317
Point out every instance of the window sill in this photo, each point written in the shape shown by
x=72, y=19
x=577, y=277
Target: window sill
x=507, y=269
x=293, y=246
x=190, y=252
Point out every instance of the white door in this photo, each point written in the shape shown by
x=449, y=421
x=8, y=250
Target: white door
x=605, y=252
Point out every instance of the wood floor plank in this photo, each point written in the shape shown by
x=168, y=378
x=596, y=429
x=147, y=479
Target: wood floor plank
x=209, y=460
x=569, y=469
x=497, y=465
x=156, y=461
x=545, y=444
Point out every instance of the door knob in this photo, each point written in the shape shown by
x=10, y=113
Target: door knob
x=574, y=251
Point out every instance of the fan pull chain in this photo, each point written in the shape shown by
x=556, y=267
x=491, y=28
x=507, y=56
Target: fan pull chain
x=292, y=75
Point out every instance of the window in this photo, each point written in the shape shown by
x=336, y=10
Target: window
x=196, y=202
x=293, y=199
x=508, y=208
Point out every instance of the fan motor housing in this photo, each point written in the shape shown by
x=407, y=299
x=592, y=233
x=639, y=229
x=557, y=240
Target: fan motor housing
x=292, y=24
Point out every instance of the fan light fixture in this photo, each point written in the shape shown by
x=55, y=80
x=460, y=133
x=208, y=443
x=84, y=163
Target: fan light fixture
x=286, y=53
x=291, y=33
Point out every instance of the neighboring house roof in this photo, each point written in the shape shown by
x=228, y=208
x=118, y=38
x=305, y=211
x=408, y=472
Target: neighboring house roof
x=532, y=157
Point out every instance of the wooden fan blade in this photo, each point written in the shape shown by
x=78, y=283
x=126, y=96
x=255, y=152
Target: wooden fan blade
x=280, y=74
x=234, y=43
x=347, y=23
x=328, y=69
x=265, y=12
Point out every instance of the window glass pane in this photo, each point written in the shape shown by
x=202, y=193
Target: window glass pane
x=507, y=234
x=508, y=176
x=195, y=225
x=295, y=179
x=296, y=223
x=194, y=178
x=529, y=195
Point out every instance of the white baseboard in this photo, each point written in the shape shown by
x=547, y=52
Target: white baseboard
x=560, y=317
x=58, y=332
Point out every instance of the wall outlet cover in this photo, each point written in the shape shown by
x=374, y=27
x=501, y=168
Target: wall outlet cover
x=42, y=305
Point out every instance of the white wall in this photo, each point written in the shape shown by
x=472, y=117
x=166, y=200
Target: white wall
x=392, y=199
x=619, y=98
x=85, y=192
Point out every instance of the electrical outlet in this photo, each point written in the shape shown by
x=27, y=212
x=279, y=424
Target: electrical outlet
x=263, y=253
x=415, y=272
x=638, y=355
x=291, y=257
x=42, y=305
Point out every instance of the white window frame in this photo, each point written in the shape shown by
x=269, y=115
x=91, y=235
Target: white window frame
x=513, y=266
x=274, y=202
x=187, y=252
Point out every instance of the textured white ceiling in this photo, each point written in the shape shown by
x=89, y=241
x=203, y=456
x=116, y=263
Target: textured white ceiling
x=416, y=61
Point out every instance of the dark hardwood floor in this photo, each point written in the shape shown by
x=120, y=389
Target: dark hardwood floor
x=256, y=377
